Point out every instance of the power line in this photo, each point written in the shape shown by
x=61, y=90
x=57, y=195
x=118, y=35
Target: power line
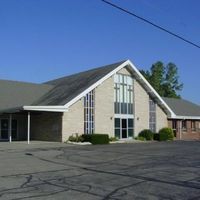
x=151, y=23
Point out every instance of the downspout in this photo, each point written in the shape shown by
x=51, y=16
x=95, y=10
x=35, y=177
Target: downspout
x=10, y=128
x=28, y=128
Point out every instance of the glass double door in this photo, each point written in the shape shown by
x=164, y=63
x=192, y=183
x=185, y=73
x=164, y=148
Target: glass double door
x=4, y=129
x=124, y=128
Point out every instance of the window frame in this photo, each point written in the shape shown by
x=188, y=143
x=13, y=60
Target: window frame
x=184, y=125
x=152, y=115
x=123, y=94
x=89, y=111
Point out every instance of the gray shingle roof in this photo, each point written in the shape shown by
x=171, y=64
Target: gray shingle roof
x=67, y=88
x=183, y=107
x=16, y=94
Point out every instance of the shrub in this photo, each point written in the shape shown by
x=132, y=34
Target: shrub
x=113, y=139
x=86, y=137
x=141, y=138
x=96, y=138
x=147, y=134
x=166, y=134
x=75, y=138
x=100, y=139
x=156, y=136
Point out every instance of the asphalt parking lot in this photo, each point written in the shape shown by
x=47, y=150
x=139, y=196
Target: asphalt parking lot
x=154, y=171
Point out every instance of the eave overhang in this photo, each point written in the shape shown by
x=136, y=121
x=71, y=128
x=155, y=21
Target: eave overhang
x=46, y=108
x=185, y=117
x=137, y=75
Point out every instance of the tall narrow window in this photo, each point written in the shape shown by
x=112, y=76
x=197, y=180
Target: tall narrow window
x=89, y=113
x=123, y=106
x=152, y=115
x=174, y=124
x=184, y=125
x=123, y=94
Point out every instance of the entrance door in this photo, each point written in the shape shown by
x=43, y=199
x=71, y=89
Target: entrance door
x=4, y=129
x=123, y=128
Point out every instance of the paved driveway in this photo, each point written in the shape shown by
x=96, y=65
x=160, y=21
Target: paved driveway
x=168, y=170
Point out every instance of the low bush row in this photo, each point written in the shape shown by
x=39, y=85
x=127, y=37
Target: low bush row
x=164, y=134
x=92, y=138
x=96, y=138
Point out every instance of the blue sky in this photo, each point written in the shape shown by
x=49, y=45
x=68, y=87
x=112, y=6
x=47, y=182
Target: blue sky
x=45, y=39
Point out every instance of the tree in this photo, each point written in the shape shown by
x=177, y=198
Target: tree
x=164, y=79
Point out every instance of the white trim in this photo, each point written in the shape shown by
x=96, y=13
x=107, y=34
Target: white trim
x=28, y=127
x=46, y=108
x=64, y=108
x=140, y=76
x=184, y=117
x=140, y=79
x=97, y=84
x=124, y=116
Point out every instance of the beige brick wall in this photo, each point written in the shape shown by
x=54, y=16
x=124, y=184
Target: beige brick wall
x=104, y=107
x=161, y=118
x=124, y=71
x=73, y=120
x=141, y=104
x=46, y=126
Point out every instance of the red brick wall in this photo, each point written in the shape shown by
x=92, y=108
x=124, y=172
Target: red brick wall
x=188, y=133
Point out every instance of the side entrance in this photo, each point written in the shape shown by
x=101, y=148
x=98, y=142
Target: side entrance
x=4, y=129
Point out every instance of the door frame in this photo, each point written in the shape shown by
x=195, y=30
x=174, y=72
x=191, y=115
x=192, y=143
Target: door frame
x=7, y=121
x=126, y=117
x=6, y=118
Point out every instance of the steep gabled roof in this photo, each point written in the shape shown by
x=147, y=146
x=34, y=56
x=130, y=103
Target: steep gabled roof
x=66, y=88
x=183, y=108
x=59, y=94
x=14, y=94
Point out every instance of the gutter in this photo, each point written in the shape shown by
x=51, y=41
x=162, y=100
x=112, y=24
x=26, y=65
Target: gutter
x=184, y=117
x=46, y=108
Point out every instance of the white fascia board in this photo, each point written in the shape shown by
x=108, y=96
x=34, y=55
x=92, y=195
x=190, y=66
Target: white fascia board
x=99, y=82
x=124, y=64
x=46, y=108
x=66, y=106
x=185, y=117
x=151, y=89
